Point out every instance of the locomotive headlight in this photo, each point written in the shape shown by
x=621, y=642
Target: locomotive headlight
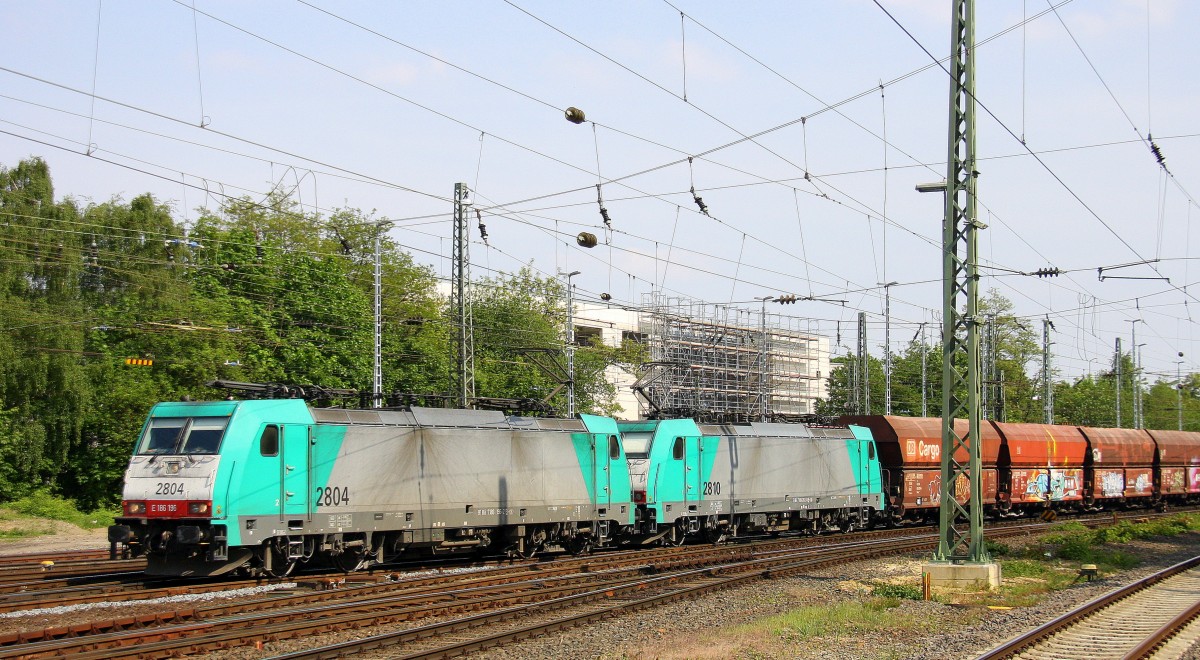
x=197, y=508
x=135, y=508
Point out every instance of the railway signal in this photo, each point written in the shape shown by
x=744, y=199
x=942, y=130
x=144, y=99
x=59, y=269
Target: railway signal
x=139, y=362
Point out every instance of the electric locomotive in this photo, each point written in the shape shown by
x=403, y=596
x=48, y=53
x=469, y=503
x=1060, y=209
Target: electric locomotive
x=260, y=486
x=715, y=481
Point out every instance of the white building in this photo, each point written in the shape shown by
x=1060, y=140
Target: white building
x=710, y=360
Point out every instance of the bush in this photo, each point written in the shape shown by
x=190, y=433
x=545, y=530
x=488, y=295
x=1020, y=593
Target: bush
x=897, y=591
x=1025, y=568
x=42, y=504
x=996, y=548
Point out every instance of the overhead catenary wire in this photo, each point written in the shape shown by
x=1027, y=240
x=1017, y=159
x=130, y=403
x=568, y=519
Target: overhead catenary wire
x=1045, y=166
x=744, y=239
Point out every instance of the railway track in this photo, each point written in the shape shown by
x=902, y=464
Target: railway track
x=134, y=586
x=297, y=615
x=383, y=597
x=36, y=558
x=1130, y=622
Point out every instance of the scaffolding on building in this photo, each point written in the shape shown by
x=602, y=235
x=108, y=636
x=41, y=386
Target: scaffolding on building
x=721, y=363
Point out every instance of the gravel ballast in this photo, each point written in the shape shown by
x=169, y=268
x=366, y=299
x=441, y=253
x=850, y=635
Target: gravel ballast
x=677, y=630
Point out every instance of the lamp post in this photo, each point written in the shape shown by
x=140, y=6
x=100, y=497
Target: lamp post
x=764, y=409
x=377, y=381
x=1133, y=347
x=571, y=344
x=924, y=350
x=1179, y=390
x=887, y=347
x=1137, y=387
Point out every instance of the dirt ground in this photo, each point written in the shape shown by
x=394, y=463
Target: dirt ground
x=60, y=537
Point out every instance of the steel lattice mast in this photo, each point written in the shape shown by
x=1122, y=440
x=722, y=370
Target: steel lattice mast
x=464, y=345
x=960, y=343
x=377, y=380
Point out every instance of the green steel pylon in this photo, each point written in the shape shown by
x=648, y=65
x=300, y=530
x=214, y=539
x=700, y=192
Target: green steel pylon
x=961, y=523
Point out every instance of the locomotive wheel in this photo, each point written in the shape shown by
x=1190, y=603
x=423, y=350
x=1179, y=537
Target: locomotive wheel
x=346, y=561
x=714, y=533
x=530, y=545
x=281, y=566
x=579, y=546
x=678, y=533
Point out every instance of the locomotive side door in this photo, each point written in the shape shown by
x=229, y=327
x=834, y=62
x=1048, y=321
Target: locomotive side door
x=294, y=479
x=607, y=448
x=687, y=451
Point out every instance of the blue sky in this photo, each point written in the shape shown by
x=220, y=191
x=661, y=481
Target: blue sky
x=388, y=114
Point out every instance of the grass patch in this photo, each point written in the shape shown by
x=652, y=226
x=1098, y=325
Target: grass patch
x=874, y=614
x=44, y=505
x=1054, y=564
x=1075, y=542
x=899, y=591
x=24, y=532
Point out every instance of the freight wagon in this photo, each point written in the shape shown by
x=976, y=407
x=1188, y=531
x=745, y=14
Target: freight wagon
x=911, y=451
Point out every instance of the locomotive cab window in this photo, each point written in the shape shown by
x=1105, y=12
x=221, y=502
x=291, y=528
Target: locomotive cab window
x=636, y=443
x=677, y=449
x=183, y=435
x=268, y=443
x=204, y=436
x=871, y=450
x=614, y=448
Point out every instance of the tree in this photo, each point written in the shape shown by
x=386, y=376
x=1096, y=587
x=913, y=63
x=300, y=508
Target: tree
x=43, y=390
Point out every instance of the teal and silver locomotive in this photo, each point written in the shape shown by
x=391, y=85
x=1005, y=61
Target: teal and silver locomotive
x=717, y=481
x=260, y=486
x=263, y=485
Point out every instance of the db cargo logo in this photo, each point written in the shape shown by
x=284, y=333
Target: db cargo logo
x=922, y=449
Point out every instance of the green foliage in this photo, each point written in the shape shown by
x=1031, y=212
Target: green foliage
x=996, y=548
x=1072, y=541
x=1076, y=542
x=849, y=618
x=255, y=291
x=1015, y=568
x=897, y=591
x=42, y=504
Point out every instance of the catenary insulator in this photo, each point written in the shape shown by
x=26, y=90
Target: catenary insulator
x=574, y=115
x=586, y=239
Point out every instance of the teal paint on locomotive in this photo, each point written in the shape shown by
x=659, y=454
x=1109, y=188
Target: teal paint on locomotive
x=671, y=469
x=283, y=478
x=864, y=457
x=765, y=477
x=604, y=465
x=196, y=470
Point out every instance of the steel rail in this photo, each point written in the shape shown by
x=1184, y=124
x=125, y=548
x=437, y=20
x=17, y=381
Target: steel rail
x=1164, y=634
x=1034, y=637
x=225, y=632
x=706, y=580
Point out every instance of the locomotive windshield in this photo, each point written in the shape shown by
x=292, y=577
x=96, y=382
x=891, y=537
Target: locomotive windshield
x=637, y=445
x=183, y=435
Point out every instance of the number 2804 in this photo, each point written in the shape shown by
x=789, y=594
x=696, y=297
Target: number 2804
x=332, y=496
